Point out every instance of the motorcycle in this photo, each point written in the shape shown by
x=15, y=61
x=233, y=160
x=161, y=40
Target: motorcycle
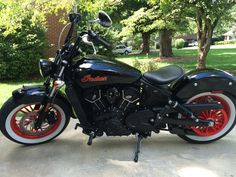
x=108, y=96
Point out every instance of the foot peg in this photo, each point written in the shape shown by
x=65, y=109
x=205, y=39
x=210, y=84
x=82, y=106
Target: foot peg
x=136, y=155
x=91, y=137
x=77, y=125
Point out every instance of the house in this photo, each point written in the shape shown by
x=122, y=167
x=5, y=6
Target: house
x=187, y=37
x=230, y=35
x=54, y=26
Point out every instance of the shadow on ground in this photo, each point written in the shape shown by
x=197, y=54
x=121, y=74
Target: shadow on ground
x=161, y=155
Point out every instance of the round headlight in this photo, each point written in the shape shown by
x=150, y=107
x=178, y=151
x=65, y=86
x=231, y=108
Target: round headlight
x=45, y=67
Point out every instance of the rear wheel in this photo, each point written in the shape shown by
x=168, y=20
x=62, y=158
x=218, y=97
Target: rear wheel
x=224, y=118
x=17, y=121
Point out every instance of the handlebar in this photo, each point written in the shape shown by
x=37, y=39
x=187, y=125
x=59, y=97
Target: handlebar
x=75, y=17
x=98, y=39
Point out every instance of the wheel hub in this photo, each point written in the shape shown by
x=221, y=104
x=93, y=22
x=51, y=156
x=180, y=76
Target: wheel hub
x=27, y=124
x=219, y=118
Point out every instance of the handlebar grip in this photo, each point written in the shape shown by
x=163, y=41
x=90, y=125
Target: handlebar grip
x=97, y=39
x=103, y=42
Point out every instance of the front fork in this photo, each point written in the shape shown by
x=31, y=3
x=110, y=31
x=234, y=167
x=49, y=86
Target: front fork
x=50, y=95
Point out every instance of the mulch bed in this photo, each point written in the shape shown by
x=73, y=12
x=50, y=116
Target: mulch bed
x=173, y=59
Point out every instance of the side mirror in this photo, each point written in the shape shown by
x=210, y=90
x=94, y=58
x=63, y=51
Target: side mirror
x=104, y=19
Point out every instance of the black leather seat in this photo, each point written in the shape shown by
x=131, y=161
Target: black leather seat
x=165, y=75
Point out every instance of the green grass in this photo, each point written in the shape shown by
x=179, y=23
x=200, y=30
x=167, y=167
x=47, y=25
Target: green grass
x=6, y=88
x=218, y=58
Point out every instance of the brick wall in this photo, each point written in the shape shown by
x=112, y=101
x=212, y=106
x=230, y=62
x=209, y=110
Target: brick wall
x=54, y=27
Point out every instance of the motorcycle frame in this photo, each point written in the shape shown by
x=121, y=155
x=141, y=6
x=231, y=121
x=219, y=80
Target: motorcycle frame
x=74, y=100
x=175, y=95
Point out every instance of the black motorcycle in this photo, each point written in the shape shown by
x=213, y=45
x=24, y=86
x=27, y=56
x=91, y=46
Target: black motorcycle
x=108, y=96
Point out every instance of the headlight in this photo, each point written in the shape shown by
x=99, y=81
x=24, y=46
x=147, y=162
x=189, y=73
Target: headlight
x=46, y=67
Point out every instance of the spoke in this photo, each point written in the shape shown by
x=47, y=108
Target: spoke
x=31, y=108
x=215, y=129
x=23, y=111
x=27, y=109
x=204, y=114
x=27, y=123
x=37, y=107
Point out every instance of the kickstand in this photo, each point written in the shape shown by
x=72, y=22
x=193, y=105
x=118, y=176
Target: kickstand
x=91, y=137
x=136, y=156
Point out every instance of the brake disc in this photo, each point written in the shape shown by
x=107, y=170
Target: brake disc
x=27, y=122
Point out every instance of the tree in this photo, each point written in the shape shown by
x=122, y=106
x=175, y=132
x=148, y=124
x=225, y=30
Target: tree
x=169, y=19
x=207, y=16
x=13, y=12
x=226, y=22
x=132, y=19
x=141, y=22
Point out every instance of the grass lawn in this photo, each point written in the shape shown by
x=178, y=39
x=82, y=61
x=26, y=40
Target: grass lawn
x=7, y=88
x=218, y=58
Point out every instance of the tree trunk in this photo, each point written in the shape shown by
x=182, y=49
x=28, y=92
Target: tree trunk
x=146, y=43
x=202, y=54
x=204, y=35
x=166, y=43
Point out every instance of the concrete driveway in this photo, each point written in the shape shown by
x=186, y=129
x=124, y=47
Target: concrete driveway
x=162, y=155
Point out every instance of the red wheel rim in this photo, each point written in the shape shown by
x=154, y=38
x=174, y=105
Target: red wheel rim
x=29, y=113
x=220, y=117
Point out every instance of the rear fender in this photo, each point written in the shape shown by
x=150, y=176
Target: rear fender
x=37, y=91
x=207, y=80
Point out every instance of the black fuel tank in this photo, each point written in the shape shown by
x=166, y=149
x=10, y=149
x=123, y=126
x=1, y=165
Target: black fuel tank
x=95, y=70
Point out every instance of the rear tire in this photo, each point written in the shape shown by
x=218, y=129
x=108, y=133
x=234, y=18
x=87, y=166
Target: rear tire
x=225, y=119
x=16, y=121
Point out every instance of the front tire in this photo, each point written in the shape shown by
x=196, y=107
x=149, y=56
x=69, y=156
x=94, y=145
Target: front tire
x=17, y=121
x=225, y=119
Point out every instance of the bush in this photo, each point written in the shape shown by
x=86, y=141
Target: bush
x=214, y=40
x=21, y=51
x=186, y=44
x=136, y=42
x=144, y=66
x=225, y=42
x=179, y=43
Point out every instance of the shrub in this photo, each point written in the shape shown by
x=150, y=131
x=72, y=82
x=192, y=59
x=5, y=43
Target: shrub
x=186, y=44
x=136, y=42
x=179, y=43
x=136, y=64
x=217, y=39
x=145, y=66
x=21, y=51
x=225, y=42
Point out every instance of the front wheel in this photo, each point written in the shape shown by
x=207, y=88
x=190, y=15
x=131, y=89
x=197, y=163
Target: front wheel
x=224, y=119
x=17, y=121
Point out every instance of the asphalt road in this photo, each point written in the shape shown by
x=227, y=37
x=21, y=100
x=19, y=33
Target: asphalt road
x=162, y=155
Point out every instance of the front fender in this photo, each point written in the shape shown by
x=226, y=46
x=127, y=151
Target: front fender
x=206, y=80
x=38, y=91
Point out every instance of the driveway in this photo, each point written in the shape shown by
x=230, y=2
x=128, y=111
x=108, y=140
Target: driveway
x=162, y=155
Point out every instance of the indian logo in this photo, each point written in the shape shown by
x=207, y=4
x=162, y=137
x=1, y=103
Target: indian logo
x=89, y=78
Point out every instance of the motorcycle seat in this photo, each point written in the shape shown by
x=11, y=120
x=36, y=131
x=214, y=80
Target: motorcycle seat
x=164, y=75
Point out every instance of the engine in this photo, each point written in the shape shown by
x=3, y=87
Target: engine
x=110, y=106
